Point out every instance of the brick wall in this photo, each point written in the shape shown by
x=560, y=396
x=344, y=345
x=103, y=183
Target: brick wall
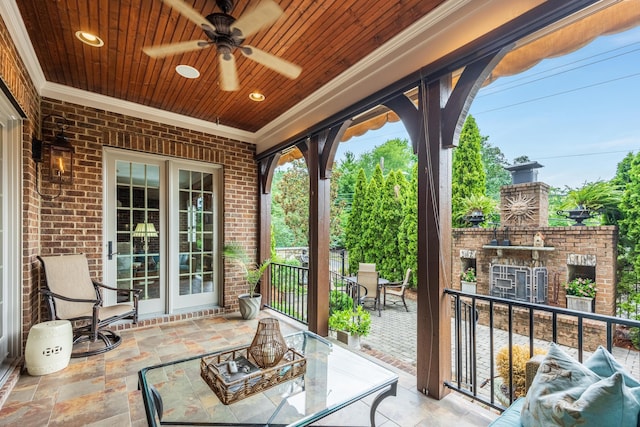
x=73, y=222
x=596, y=243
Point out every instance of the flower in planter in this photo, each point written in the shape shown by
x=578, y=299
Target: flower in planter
x=581, y=287
x=469, y=275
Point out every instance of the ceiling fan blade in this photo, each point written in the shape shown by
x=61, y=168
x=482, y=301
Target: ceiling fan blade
x=188, y=12
x=228, y=73
x=282, y=66
x=265, y=13
x=162, y=50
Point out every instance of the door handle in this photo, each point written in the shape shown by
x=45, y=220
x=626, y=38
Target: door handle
x=110, y=252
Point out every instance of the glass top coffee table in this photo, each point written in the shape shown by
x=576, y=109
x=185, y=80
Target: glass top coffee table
x=175, y=394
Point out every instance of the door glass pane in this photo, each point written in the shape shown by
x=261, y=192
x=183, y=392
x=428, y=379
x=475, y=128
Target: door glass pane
x=138, y=228
x=196, y=239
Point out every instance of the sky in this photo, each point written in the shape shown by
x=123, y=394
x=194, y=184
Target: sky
x=578, y=115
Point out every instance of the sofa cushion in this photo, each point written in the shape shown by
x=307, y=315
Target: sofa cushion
x=566, y=392
x=603, y=364
x=511, y=416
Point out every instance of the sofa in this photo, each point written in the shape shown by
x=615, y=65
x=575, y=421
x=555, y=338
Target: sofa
x=564, y=392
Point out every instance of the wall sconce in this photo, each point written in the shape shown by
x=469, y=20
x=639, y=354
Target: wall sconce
x=145, y=230
x=60, y=154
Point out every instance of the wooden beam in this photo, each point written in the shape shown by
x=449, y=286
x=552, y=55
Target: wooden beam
x=434, y=244
x=266, y=167
x=319, y=218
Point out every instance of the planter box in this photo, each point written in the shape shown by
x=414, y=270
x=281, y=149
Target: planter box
x=468, y=287
x=353, y=341
x=580, y=303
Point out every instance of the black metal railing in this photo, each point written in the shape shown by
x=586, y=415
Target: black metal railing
x=480, y=320
x=287, y=293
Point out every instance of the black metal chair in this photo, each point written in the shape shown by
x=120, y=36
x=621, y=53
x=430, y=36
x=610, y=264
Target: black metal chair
x=396, y=290
x=72, y=295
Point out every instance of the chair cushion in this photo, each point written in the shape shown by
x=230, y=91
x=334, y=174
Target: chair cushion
x=68, y=275
x=114, y=310
x=566, y=392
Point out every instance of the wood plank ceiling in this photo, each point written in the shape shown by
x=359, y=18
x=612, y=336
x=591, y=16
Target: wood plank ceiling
x=324, y=37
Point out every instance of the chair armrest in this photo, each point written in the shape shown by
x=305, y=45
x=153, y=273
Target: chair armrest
x=136, y=292
x=48, y=293
x=393, y=285
x=531, y=368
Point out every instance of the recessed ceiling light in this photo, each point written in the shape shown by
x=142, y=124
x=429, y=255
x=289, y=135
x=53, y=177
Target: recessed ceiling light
x=90, y=39
x=187, y=71
x=256, y=96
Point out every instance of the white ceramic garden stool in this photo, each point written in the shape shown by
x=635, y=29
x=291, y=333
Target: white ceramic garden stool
x=49, y=346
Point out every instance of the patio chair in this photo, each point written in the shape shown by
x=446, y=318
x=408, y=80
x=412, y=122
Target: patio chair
x=72, y=295
x=368, y=281
x=396, y=290
x=363, y=266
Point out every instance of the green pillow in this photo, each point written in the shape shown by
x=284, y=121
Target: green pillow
x=566, y=393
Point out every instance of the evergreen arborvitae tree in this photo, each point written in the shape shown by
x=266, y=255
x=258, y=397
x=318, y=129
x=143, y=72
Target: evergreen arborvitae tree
x=630, y=208
x=408, y=232
x=390, y=219
x=468, y=176
x=371, y=225
x=353, y=230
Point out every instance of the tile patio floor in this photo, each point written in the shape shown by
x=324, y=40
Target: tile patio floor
x=102, y=390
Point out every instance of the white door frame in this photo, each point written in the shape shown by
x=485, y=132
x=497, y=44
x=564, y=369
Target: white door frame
x=11, y=218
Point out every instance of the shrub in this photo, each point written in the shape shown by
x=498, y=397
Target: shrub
x=520, y=358
x=355, y=322
x=339, y=301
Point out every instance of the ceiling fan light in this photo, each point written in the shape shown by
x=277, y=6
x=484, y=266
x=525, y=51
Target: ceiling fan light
x=256, y=96
x=90, y=39
x=187, y=71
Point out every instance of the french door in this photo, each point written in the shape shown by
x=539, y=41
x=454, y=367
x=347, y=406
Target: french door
x=162, y=231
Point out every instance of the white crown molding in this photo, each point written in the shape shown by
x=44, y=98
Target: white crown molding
x=15, y=25
x=94, y=100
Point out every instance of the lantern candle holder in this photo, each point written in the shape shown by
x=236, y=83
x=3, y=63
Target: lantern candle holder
x=268, y=345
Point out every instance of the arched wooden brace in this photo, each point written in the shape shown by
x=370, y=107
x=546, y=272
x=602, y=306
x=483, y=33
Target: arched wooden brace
x=266, y=168
x=410, y=116
x=328, y=153
x=465, y=91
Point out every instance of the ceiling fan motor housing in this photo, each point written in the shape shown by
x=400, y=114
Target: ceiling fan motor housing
x=225, y=39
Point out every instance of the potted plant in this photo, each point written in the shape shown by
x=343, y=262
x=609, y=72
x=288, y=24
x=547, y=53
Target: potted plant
x=468, y=280
x=517, y=369
x=249, y=302
x=580, y=294
x=474, y=209
x=350, y=325
x=599, y=197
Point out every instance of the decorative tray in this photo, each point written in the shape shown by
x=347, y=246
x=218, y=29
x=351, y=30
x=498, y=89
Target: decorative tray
x=249, y=378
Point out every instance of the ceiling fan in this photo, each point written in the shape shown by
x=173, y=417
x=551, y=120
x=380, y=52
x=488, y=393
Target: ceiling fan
x=227, y=34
